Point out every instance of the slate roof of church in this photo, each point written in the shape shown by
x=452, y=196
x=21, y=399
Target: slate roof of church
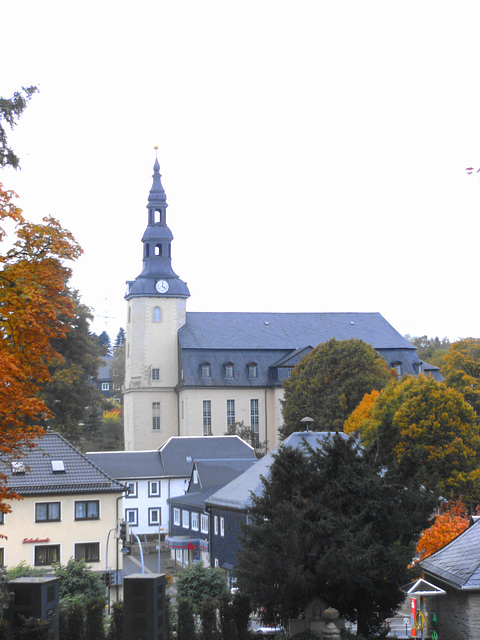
x=175, y=457
x=238, y=493
x=458, y=563
x=223, y=330
x=79, y=474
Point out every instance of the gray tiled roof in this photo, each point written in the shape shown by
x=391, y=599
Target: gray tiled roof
x=458, y=563
x=289, y=331
x=174, y=459
x=129, y=465
x=178, y=454
x=213, y=473
x=238, y=493
x=80, y=475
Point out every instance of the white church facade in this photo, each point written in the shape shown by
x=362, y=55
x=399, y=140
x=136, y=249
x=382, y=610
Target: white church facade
x=197, y=373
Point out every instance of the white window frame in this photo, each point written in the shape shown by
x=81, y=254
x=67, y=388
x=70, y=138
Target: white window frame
x=176, y=516
x=207, y=417
x=133, y=521
x=253, y=370
x=152, y=493
x=105, y=386
x=185, y=519
x=204, y=523
x=230, y=412
x=222, y=526
x=215, y=525
x=255, y=416
x=133, y=493
x=151, y=521
x=229, y=371
x=206, y=370
x=156, y=416
x=195, y=526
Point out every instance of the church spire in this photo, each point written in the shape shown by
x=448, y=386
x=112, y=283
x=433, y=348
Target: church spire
x=157, y=276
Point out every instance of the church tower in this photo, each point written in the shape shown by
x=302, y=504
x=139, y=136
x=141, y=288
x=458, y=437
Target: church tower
x=156, y=311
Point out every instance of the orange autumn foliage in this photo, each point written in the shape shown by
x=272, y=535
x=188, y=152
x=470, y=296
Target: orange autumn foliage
x=34, y=304
x=450, y=523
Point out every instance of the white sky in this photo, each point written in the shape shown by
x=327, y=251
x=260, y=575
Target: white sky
x=313, y=153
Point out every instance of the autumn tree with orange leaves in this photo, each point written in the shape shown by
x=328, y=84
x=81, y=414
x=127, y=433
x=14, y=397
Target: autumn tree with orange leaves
x=449, y=523
x=34, y=304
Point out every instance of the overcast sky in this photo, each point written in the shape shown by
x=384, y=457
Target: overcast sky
x=313, y=153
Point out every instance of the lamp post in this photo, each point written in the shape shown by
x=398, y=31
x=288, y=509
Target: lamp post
x=307, y=422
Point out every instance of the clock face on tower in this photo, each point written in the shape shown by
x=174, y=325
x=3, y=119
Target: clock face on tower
x=162, y=286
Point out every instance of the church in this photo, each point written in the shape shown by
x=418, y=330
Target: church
x=198, y=373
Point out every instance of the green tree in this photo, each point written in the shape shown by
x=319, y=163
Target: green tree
x=328, y=384
x=208, y=617
x=10, y=111
x=105, y=344
x=227, y=618
x=425, y=432
x=199, y=582
x=185, y=620
x=69, y=394
x=117, y=366
x=331, y=524
x=120, y=339
x=461, y=368
x=76, y=579
x=430, y=350
x=115, y=628
x=94, y=628
x=249, y=435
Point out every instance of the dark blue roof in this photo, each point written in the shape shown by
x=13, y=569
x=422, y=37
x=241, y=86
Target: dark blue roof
x=205, y=330
x=458, y=563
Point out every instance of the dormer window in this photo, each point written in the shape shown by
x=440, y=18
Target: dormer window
x=18, y=466
x=229, y=370
x=206, y=370
x=418, y=367
x=252, y=370
x=398, y=368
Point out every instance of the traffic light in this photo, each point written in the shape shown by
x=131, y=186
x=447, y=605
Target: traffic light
x=124, y=532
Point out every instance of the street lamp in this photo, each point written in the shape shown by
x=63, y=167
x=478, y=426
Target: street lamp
x=307, y=422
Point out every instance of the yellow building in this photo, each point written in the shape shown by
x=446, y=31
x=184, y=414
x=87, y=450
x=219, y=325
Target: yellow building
x=69, y=509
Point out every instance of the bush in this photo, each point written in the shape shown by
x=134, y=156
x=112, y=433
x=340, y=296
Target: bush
x=186, y=622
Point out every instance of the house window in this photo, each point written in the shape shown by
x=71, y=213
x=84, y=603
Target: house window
x=154, y=516
x=195, y=476
x=131, y=516
x=207, y=417
x=2, y=517
x=222, y=526
x=154, y=488
x=215, y=525
x=254, y=418
x=176, y=516
x=229, y=370
x=132, y=489
x=156, y=314
x=179, y=555
x=205, y=370
x=47, y=554
x=88, y=551
x=87, y=510
x=230, y=413
x=47, y=512
x=204, y=523
x=398, y=368
x=195, y=521
x=252, y=370
x=155, y=374
x=217, y=564
x=185, y=519
x=2, y=557
x=105, y=386
x=156, y=416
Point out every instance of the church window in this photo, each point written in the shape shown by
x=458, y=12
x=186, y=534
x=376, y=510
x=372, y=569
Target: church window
x=158, y=249
x=156, y=314
x=230, y=413
x=147, y=250
x=252, y=370
x=207, y=417
x=229, y=370
x=254, y=417
x=205, y=370
x=155, y=374
x=156, y=416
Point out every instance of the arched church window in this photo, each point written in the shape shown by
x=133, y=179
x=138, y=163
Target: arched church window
x=158, y=249
x=157, y=316
x=158, y=216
